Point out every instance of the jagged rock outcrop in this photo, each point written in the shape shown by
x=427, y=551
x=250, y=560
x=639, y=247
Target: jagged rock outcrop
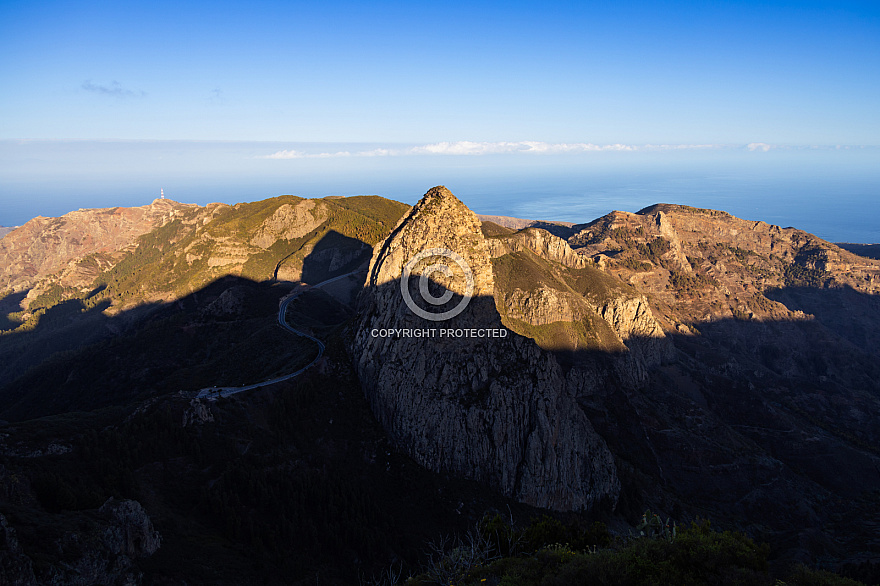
x=493, y=409
x=699, y=265
x=542, y=243
x=633, y=322
x=773, y=380
x=538, y=289
x=229, y=304
x=106, y=554
x=289, y=222
x=544, y=305
x=197, y=413
x=130, y=531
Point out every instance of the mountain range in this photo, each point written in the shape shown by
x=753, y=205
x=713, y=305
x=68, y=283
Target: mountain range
x=676, y=359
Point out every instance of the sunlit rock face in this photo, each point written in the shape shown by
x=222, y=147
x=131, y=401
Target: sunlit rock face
x=489, y=408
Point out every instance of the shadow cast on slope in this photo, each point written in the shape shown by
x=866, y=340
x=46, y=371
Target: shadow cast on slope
x=755, y=424
x=772, y=427
x=334, y=254
x=850, y=314
x=77, y=357
x=80, y=359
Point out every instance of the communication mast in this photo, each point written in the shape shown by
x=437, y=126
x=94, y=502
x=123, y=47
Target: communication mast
x=161, y=193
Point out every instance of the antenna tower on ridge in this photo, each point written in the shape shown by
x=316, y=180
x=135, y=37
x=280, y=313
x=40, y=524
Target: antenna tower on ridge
x=161, y=193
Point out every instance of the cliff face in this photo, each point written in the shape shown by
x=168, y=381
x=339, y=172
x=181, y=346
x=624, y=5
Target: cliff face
x=496, y=410
x=711, y=355
x=542, y=281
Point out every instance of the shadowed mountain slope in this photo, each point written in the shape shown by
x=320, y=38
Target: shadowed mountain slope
x=283, y=239
x=676, y=359
x=755, y=380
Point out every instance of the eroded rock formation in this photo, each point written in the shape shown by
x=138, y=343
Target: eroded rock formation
x=496, y=410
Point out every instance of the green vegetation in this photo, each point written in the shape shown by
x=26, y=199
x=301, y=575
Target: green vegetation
x=759, y=301
x=549, y=553
x=172, y=260
x=626, y=237
x=150, y=265
x=370, y=218
x=654, y=249
x=493, y=230
x=665, y=207
x=526, y=271
x=262, y=266
x=690, y=283
x=566, y=338
x=242, y=220
x=175, y=350
x=634, y=265
x=53, y=296
x=797, y=275
x=282, y=486
x=595, y=284
x=636, y=248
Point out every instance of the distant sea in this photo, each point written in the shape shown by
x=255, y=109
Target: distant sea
x=838, y=209
x=833, y=193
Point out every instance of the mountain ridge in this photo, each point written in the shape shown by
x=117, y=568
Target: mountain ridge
x=676, y=359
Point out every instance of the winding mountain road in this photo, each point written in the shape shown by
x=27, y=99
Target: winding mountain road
x=212, y=393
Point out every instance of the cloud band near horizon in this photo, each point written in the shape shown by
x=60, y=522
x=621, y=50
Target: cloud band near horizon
x=471, y=148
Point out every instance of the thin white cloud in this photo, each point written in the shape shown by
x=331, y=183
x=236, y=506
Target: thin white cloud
x=379, y=152
x=291, y=154
x=759, y=146
x=473, y=148
x=466, y=147
x=538, y=147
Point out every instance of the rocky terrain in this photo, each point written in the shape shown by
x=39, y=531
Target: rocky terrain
x=493, y=410
x=676, y=359
x=729, y=366
x=5, y=230
x=126, y=262
x=44, y=246
x=104, y=549
x=558, y=228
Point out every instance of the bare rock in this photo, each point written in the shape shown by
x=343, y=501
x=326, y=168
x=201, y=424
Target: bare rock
x=230, y=303
x=495, y=410
x=197, y=413
x=44, y=246
x=130, y=530
x=289, y=222
x=542, y=243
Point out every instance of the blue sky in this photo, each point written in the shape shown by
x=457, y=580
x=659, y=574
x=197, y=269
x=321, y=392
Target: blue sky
x=601, y=72
x=86, y=87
